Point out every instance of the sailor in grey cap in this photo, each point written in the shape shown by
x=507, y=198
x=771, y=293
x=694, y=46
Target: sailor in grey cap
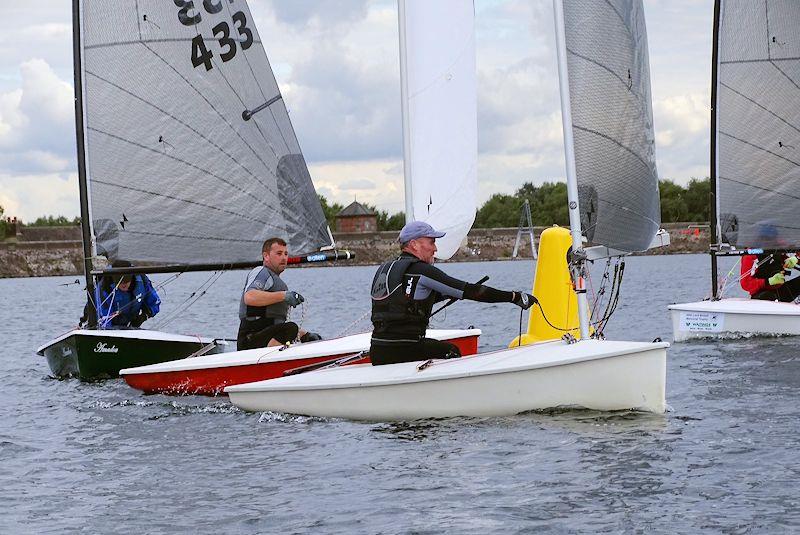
x=404, y=291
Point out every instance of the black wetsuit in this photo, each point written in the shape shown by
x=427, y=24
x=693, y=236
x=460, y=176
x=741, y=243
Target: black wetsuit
x=404, y=291
x=259, y=325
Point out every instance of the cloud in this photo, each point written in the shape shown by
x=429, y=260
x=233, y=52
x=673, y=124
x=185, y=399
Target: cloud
x=312, y=12
x=37, y=119
x=359, y=184
x=29, y=196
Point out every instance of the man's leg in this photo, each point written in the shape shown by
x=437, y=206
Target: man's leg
x=789, y=291
x=424, y=349
x=278, y=334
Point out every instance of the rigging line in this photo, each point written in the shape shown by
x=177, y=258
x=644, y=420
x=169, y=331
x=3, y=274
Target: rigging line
x=173, y=235
x=787, y=123
x=760, y=148
x=187, y=201
x=762, y=188
x=189, y=127
x=189, y=301
x=221, y=116
x=618, y=143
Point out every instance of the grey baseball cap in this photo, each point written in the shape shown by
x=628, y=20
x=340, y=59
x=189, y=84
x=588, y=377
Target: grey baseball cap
x=418, y=229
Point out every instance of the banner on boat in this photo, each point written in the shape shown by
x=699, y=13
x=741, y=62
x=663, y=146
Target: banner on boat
x=709, y=322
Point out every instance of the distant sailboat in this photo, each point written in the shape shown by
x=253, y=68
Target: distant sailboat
x=603, y=67
x=187, y=161
x=755, y=162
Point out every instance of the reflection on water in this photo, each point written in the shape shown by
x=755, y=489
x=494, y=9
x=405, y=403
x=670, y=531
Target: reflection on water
x=102, y=458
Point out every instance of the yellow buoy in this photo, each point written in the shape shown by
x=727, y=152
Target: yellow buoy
x=552, y=286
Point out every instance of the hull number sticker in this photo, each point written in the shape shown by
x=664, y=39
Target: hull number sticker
x=709, y=322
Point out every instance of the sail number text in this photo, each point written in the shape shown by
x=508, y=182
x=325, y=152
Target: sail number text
x=190, y=15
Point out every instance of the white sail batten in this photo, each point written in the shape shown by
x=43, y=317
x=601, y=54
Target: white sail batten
x=191, y=155
x=440, y=124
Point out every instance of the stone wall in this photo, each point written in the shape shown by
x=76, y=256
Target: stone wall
x=41, y=258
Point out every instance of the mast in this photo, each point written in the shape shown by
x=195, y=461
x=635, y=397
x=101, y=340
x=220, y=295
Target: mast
x=578, y=257
x=712, y=177
x=401, y=16
x=86, y=231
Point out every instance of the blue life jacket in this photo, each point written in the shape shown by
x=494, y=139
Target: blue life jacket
x=131, y=308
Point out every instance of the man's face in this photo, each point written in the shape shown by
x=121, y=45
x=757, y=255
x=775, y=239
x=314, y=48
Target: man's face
x=423, y=248
x=276, y=258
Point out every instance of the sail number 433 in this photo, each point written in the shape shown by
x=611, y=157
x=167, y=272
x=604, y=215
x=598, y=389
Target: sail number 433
x=190, y=15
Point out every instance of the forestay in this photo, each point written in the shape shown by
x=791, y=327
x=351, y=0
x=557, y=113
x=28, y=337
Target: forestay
x=612, y=122
x=177, y=174
x=758, y=123
x=440, y=125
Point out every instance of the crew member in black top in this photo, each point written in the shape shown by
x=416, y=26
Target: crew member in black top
x=404, y=291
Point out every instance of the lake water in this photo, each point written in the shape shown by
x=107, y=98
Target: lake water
x=103, y=458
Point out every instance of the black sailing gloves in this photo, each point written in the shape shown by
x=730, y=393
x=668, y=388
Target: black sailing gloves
x=293, y=298
x=523, y=300
x=310, y=337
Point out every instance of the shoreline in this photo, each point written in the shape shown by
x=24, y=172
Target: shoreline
x=46, y=258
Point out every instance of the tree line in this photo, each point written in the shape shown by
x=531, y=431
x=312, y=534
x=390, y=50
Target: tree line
x=548, y=204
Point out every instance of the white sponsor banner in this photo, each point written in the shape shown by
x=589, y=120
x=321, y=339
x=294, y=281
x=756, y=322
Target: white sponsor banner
x=710, y=322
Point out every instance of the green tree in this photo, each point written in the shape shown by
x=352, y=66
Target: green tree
x=697, y=199
x=54, y=221
x=330, y=211
x=673, y=203
x=2, y=224
x=499, y=211
x=548, y=203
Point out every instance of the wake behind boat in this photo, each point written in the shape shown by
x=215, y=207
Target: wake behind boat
x=592, y=374
x=209, y=375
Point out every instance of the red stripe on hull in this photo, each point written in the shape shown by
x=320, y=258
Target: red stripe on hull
x=212, y=381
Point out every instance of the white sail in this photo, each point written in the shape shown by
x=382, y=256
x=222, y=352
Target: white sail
x=440, y=123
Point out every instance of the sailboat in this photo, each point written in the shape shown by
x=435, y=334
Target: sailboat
x=609, y=147
x=755, y=123
x=187, y=161
x=440, y=161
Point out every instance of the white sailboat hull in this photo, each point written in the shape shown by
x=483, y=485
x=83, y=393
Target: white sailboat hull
x=734, y=317
x=593, y=374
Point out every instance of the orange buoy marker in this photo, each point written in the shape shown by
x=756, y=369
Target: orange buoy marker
x=552, y=286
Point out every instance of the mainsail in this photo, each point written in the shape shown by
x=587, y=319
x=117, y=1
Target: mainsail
x=758, y=123
x=190, y=154
x=612, y=122
x=440, y=124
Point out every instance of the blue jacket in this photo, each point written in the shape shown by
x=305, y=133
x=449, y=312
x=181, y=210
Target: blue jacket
x=131, y=308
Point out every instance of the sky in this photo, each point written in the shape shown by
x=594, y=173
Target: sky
x=336, y=62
